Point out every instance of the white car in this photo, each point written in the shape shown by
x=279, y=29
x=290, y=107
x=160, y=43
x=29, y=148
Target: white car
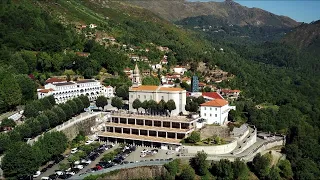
x=76, y=162
x=79, y=166
x=144, y=151
x=170, y=152
x=86, y=161
x=37, y=174
x=59, y=173
x=45, y=178
x=74, y=150
x=88, y=142
x=71, y=173
x=143, y=154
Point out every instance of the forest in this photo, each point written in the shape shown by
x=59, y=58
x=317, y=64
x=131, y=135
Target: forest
x=35, y=46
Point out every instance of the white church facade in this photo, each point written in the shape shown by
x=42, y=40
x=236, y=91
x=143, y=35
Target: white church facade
x=156, y=93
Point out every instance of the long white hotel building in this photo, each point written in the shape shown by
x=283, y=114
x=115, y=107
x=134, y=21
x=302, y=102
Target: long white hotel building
x=63, y=90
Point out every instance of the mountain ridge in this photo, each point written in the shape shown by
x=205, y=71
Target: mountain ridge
x=228, y=10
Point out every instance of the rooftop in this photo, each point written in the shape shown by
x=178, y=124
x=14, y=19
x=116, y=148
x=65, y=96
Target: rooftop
x=64, y=83
x=54, y=80
x=141, y=138
x=154, y=88
x=158, y=118
x=215, y=103
x=86, y=81
x=45, y=90
x=213, y=95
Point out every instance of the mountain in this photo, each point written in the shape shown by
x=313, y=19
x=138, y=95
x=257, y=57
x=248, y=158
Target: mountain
x=229, y=11
x=305, y=36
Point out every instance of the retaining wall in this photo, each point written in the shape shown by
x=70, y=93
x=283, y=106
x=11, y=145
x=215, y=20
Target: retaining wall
x=218, y=149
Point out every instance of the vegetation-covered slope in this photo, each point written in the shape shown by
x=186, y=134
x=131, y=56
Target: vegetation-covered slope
x=229, y=11
x=262, y=79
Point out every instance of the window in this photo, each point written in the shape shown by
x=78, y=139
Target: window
x=216, y=109
x=145, y=97
x=215, y=115
x=151, y=97
x=131, y=96
x=138, y=96
x=162, y=97
x=210, y=109
x=205, y=108
x=204, y=114
x=210, y=115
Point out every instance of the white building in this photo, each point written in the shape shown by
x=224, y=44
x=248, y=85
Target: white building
x=179, y=69
x=215, y=111
x=156, y=93
x=64, y=91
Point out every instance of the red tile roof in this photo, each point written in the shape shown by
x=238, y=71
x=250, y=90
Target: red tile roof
x=213, y=95
x=45, y=90
x=54, y=80
x=215, y=103
x=230, y=91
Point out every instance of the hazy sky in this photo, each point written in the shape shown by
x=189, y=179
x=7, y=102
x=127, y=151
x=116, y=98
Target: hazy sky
x=299, y=10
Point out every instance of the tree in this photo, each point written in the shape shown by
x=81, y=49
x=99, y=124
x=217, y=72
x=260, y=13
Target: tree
x=27, y=86
x=51, y=100
x=4, y=142
x=117, y=102
x=152, y=105
x=60, y=113
x=173, y=166
x=24, y=130
x=274, y=174
x=101, y=101
x=35, y=126
x=53, y=118
x=240, y=169
x=136, y=104
x=44, y=121
x=20, y=160
x=67, y=110
x=194, y=137
x=79, y=105
x=19, y=64
x=73, y=106
x=150, y=80
x=200, y=164
x=10, y=91
x=285, y=169
x=162, y=105
x=144, y=105
x=187, y=173
x=45, y=103
x=123, y=91
x=7, y=123
x=85, y=101
x=200, y=100
x=261, y=165
x=30, y=110
x=30, y=58
x=223, y=169
x=171, y=105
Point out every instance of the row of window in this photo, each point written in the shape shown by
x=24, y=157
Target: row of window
x=215, y=115
x=216, y=109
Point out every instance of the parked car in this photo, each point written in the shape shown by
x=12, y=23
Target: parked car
x=79, y=166
x=76, y=170
x=88, y=142
x=143, y=154
x=71, y=172
x=144, y=151
x=84, y=161
x=53, y=176
x=59, y=173
x=74, y=150
x=99, y=167
x=50, y=165
x=170, y=152
x=44, y=170
x=76, y=162
x=45, y=178
x=37, y=174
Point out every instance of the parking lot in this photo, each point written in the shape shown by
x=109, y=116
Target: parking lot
x=135, y=156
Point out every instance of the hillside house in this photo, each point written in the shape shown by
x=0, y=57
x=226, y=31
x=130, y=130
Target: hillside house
x=92, y=26
x=180, y=69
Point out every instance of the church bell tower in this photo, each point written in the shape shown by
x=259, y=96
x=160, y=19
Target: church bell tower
x=136, y=81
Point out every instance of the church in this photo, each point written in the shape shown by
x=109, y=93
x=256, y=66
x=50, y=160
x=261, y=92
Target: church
x=156, y=93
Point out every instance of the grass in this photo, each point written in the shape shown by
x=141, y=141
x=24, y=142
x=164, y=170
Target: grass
x=268, y=105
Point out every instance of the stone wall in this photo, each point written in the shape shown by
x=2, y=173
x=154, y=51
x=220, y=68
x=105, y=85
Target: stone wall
x=146, y=172
x=210, y=130
x=218, y=149
x=85, y=126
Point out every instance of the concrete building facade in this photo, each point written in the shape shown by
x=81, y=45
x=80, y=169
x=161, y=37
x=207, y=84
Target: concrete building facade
x=215, y=111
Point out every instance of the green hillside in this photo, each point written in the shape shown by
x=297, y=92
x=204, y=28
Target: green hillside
x=40, y=38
